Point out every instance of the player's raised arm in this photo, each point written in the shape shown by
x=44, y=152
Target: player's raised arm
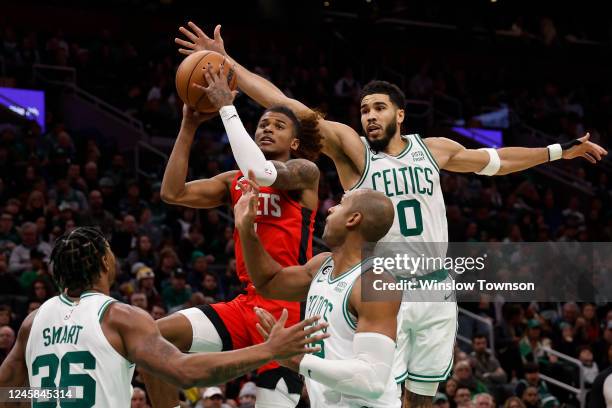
x=269, y=277
x=13, y=371
x=208, y=193
x=340, y=142
x=145, y=346
x=452, y=156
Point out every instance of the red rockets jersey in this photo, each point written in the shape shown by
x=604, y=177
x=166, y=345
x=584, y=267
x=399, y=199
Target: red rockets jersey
x=284, y=227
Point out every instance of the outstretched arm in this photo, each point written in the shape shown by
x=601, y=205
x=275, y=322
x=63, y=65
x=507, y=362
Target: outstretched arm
x=269, y=277
x=340, y=142
x=206, y=193
x=145, y=346
x=452, y=156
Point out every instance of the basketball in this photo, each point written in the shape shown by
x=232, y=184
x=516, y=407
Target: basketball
x=191, y=71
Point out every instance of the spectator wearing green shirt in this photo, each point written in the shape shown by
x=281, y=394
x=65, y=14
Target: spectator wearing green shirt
x=178, y=293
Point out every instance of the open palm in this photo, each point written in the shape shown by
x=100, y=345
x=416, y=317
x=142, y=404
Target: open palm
x=199, y=41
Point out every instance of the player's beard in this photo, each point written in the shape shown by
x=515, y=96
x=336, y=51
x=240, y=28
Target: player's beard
x=381, y=144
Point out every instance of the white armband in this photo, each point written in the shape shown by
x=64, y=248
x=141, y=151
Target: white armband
x=365, y=376
x=555, y=151
x=494, y=164
x=246, y=152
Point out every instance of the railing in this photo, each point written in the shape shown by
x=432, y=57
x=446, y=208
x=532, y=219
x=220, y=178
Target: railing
x=580, y=392
x=137, y=156
x=483, y=320
x=45, y=73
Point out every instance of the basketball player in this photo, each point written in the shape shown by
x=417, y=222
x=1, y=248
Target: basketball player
x=353, y=368
x=406, y=168
x=83, y=338
x=285, y=224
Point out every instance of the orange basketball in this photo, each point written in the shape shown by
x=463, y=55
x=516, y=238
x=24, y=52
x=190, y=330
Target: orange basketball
x=191, y=72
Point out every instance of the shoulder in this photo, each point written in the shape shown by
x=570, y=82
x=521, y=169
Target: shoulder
x=317, y=261
x=26, y=326
x=120, y=315
x=304, y=168
x=441, y=143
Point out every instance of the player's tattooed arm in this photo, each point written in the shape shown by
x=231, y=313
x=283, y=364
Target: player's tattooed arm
x=144, y=345
x=13, y=371
x=452, y=156
x=296, y=174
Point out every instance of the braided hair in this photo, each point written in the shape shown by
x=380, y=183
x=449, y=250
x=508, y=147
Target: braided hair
x=77, y=258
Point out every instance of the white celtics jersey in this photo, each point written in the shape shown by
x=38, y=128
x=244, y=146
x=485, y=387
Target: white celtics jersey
x=412, y=181
x=328, y=297
x=67, y=348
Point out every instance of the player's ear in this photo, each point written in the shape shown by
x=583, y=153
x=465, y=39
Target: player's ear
x=295, y=144
x=399, y=116
x=354, y=220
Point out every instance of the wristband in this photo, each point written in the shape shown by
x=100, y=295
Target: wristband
x=227, y=112
x=555, y=152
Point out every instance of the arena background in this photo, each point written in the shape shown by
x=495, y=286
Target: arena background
x=532, y=74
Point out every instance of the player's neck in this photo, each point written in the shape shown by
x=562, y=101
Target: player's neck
x=346, y=256
x=396, y=145
x=281, y=157
x=75, y=295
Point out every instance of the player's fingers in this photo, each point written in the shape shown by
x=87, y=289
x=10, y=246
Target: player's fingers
x=184, y=43
x=313, y=329
x=595, y=153
x=265, y=318
x=209, y=79
x=262, y=331
x=283, y=318
x=311, y=350
x=306, y=322
x=314, y=339
x=185, y=51
x=217, y=33
x=188, y=34
x=588, y=157
x=199, y=32
x=198, y=86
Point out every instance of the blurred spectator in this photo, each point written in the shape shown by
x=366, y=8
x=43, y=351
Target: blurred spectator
x=532, y=346
x=41, y=290
x=96, y=214
x=441, y=401
x=8, y=234
x=514, y=402
x=9, y=285
x=7, y=339
x=532, y=380
x=462, y=373
x=6, y=315
x=139, y=398
x=20, y=256
x=178, y=292
x=212, y=397
x=64, y=192
x=530, y=398
x=602, y=347
x=483, y=400
x=487, y=368
x=126, y=238
x=38, y=269
x=507, y=337
x=139, y=299
x=145, y=283
x=247, y=396
x=132, y=204
x=589, y=366
x=463, y=395
x=168, y=262
x=158, y=311
x=144, y=253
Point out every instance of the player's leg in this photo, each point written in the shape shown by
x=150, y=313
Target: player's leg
x=190, y=330
x=431, y=357
x=277, y=387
